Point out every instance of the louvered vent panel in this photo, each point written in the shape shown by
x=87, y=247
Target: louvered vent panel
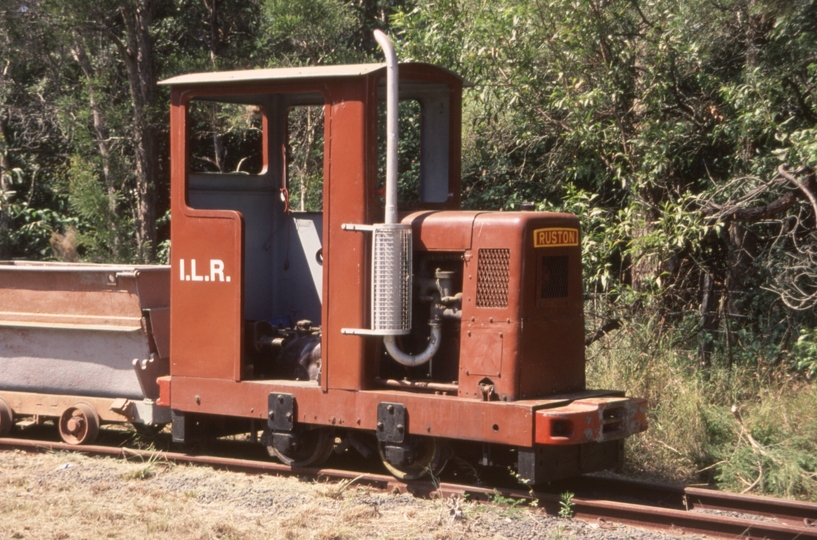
x=493, y=277
x=554, y=277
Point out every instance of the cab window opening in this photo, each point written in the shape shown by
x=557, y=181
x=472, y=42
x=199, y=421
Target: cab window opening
x=225, y=138
x=408, y=150
x=304, y=158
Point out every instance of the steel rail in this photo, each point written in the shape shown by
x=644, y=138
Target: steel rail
x=794, y=513
x=661, y=507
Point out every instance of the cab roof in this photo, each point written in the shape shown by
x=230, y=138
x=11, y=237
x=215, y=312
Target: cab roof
x=291, y=73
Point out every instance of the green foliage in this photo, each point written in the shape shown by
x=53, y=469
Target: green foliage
x=638, y=113
x=693, y=435
x=29, y=226
x=163, y=249
x=804, y=352
x=654, y=122
x=408, y=151
x=566, y=505
x=225, y=137
x=510, y=507
x=103, y=232
x=305, y=158
x=773, y=450
x=312, y=31
x=66, y=93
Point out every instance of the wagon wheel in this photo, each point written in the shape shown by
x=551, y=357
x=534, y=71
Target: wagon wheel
x=430, y=456
x=6, y=418
x=313, y=448
x=79, y=424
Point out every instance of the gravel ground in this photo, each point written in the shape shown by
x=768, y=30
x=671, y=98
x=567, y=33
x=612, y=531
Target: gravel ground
x=70, y=496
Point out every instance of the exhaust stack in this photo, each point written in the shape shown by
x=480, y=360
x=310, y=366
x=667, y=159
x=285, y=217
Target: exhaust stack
x=391, y=255
x=392, y=127
x=392, y=249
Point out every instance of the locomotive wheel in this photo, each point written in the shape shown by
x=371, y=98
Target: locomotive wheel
x=431, y=456
x=79, y=424
x=6, y=418
x=313, y=448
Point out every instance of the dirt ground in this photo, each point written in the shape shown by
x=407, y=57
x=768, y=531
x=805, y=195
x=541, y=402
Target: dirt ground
x=59, y=496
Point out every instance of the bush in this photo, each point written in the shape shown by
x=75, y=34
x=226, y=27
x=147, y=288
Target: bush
x=766, y=445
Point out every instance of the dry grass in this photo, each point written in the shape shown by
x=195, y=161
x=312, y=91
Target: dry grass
x=59, y=496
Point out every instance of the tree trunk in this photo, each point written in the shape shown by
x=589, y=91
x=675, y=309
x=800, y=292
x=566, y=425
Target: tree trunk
x=100, y=125
x=138, y=56
x=5, y=184
x=708, y=322
x=742, y=246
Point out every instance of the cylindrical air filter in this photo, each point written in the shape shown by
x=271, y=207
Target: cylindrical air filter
x=391, y=279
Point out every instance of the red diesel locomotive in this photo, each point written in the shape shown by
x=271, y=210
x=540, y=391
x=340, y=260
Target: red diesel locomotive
x=386, y=320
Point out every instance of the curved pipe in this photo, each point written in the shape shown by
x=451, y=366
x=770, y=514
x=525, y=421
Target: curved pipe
x=391, y=125
x=419, y=359
x=391, y=194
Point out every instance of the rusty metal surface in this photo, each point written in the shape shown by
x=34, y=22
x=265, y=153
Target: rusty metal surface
x=79, y=424
x=521, y=336
x=419, y=385
x=108, y=409
x=71, y=297
x=680, y=521
x=274, y=74
x=442, y=231
x=76, y=328
x=791, y=512
x=781, y=511
x=285, y=74
x=591, y=420
x=527, y=347
x=294, y=73
x=429, y=415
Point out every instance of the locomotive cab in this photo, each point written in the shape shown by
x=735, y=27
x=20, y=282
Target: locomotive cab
x=257, y=242
x=318, y=293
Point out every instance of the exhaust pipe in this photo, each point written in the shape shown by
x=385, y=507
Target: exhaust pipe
x=392, y=127
x=398, y=278
x=392, y=249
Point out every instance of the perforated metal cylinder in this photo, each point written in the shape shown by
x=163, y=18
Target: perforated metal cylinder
x=391, y=279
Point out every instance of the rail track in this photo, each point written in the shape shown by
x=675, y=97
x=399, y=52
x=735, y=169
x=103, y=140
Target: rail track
x=606, y=501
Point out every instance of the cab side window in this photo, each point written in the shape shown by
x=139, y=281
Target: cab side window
x=423, y=144
x=225, y=137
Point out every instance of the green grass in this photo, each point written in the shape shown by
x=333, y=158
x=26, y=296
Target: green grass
x=749, y=428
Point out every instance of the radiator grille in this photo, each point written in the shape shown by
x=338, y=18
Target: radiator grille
x=553, y=277
x=492, y=277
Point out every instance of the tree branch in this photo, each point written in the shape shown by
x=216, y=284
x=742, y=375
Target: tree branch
x=733, y=211
x=606, y=328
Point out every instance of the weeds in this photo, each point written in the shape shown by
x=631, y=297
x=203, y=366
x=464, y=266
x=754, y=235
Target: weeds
x=146, y=471
x=534, y=502
x=566, y=505
x=435, y=480
x=511, y=507
x=767, y=447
